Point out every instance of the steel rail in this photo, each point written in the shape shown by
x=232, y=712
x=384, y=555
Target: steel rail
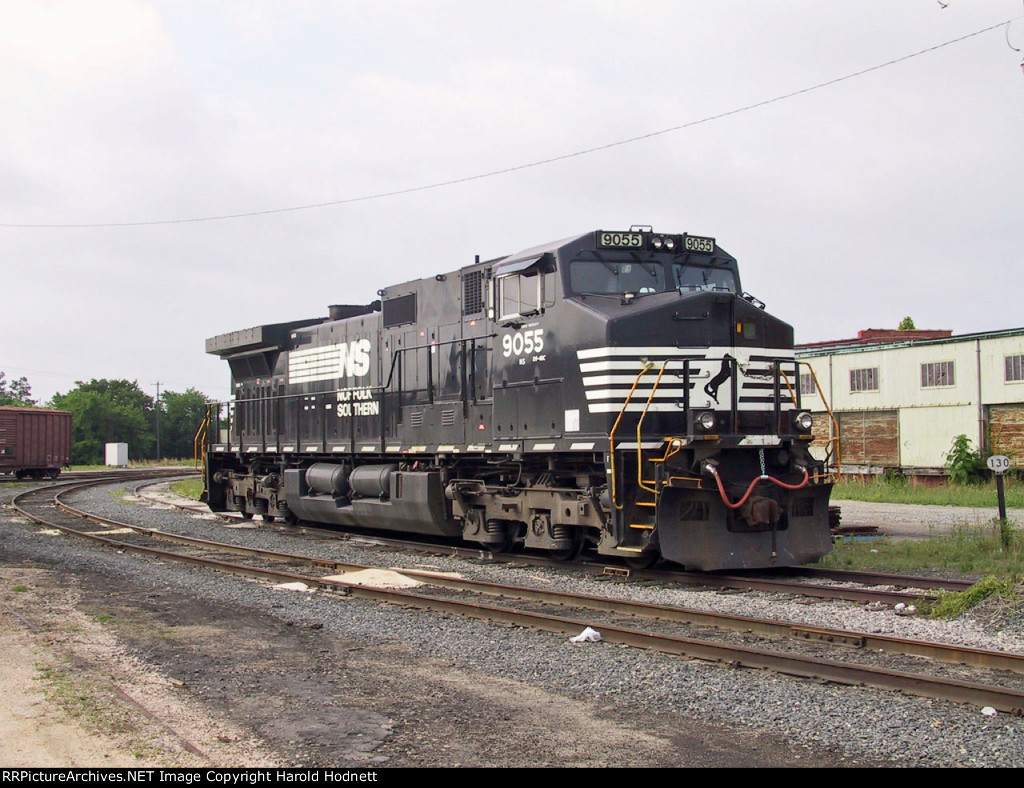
x=882, y=578
x=954, y=654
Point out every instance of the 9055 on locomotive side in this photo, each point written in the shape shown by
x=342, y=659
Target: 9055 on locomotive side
x=615, y=391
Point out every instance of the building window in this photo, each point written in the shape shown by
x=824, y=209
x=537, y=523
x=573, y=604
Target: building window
x=939, y=373
x=864, y=379
x=807, y=384
x=1014, y=368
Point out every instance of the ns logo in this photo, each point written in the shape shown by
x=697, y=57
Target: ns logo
x=354, y=358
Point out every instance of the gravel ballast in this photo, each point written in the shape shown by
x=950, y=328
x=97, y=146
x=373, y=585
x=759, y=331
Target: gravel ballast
x=673, y=703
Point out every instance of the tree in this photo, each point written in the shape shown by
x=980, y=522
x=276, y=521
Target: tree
x=108, y=411
x=181, y=416
x=17, y=392
x=907, y=324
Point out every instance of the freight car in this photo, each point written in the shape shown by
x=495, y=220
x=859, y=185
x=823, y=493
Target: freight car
x=615, y=391
x=34, y=443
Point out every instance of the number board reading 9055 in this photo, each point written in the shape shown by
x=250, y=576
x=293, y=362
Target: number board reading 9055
x=696, y=243
x=611, y=240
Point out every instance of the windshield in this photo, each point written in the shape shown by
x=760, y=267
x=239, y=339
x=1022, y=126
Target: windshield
x=699, y=277
x=598, y=276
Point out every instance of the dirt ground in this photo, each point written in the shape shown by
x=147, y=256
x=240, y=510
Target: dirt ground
x=95, y=672
x=903, y=521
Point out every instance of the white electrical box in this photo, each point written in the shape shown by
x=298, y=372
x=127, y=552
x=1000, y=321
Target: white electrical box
x=117, y=454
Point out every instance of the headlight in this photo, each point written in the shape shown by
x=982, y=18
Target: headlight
x=670, y=244
x=706, y=421
x=657, y=242
x=803, y=421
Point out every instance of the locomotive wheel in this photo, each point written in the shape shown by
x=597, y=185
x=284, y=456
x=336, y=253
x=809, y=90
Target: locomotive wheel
x=644, y=560
x=505, y=545
x=573, y=552
x=246, y=515
x=289, y=518
x=268, y=518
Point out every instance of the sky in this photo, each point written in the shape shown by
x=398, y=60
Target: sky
x=131, y=128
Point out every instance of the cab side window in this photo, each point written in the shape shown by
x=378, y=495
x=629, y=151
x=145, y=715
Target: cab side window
x=523, y=295
x=518, y=296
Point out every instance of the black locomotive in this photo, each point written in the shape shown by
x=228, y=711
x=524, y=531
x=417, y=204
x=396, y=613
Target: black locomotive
x=615, y=390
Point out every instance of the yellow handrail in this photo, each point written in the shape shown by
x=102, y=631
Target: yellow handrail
x=785, y=377
x=639, y=427
x=611, y=435
x=832, y=442
x=199, y=443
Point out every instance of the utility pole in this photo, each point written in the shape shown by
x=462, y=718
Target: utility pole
x=157, y=420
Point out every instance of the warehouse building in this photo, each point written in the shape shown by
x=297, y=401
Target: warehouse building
x=900, y=398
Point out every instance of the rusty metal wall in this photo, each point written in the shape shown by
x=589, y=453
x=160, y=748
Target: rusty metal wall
x=870, y=437
x=1006, y=431
x=822, y=429
x=821, y=432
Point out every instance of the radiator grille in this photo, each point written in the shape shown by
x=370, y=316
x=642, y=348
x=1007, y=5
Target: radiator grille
x=473, y=293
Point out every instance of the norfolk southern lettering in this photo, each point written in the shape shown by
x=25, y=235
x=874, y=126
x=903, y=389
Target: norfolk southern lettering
x=615, y=392
x=357, y=402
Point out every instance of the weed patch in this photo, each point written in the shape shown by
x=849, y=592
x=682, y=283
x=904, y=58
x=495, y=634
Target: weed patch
x=950, y=604
x=90, y=704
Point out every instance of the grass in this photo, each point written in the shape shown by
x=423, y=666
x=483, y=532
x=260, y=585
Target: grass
x=896, y=489
x=74, y=695
x=189, y=488
x=995, y=549
x=187, y=462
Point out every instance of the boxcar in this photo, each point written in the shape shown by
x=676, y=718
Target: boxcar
x=34, y=443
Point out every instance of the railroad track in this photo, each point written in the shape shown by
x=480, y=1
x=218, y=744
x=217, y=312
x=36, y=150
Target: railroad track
x=794, y=649
x=120, y=473
x=888, y=589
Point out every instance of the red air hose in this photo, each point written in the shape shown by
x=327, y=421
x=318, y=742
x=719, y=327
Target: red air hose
x=753, y=484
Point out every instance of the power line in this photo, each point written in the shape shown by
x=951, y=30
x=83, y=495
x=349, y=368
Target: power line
x=529, y=165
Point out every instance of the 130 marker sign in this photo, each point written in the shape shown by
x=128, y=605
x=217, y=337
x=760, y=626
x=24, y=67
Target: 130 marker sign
x=999, y=463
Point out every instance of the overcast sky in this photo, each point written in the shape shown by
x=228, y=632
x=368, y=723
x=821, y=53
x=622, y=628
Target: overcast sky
x=893, y=193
